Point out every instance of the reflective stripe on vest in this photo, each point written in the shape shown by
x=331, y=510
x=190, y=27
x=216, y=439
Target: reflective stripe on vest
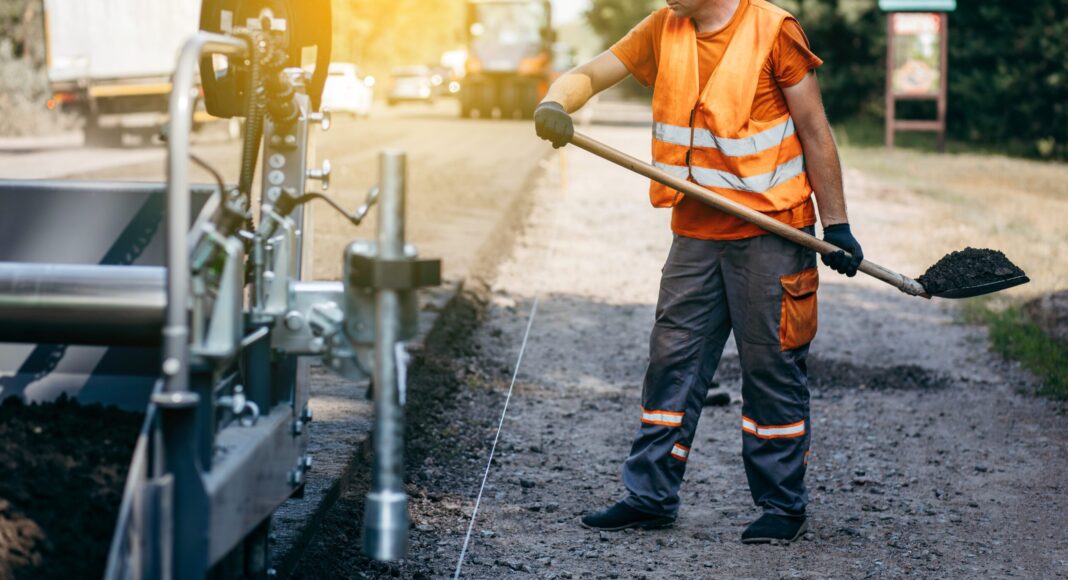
x=726, y=180
x=767, y=139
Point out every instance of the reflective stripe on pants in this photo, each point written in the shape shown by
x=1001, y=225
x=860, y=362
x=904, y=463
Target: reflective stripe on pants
x=708, y=290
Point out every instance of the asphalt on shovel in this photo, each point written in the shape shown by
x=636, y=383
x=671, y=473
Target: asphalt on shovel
x=998, y=273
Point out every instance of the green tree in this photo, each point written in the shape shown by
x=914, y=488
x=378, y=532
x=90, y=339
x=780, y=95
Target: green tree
x=850, y=38
x=1008, y=81
x=612, y=19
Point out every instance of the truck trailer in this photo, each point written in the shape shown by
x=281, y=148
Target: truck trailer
x=509, y=62
x=110, y=61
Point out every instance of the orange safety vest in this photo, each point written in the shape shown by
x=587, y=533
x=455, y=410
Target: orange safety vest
x=708, y=136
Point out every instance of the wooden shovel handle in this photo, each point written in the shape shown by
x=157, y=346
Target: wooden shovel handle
x=731, y=207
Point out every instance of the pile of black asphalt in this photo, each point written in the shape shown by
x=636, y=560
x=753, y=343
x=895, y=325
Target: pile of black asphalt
x=968, y=268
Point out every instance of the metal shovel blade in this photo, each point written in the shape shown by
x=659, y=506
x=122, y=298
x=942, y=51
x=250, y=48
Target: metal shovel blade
x=981, y=289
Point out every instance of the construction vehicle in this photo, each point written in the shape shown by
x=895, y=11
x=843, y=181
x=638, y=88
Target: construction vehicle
x=110, y=62
x=509, y=62
x=172, y=299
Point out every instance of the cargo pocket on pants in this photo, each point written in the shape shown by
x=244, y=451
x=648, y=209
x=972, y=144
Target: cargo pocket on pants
x=797, y=326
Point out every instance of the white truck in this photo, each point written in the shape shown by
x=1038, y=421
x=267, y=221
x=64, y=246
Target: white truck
x=111, y=61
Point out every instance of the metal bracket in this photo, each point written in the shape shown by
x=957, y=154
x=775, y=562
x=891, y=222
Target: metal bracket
x=221, y=331
x=360, y=300
x=381, y=274
x=314, y=325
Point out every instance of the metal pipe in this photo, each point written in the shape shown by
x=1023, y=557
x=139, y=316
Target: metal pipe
x=187, y=523
x=385, y=534
x=79, y=304
x=183, y=97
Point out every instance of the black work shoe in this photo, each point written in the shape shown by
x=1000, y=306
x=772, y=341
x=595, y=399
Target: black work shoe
x=771, y=527
x=621, y=516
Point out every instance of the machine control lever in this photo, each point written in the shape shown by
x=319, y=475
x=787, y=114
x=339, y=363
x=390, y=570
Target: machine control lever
x=286, y=203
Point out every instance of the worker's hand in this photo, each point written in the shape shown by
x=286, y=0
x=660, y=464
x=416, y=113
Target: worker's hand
x=839, y=235
x=553, y=124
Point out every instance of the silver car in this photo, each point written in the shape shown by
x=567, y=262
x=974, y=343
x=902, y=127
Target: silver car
x=346, y=92
x=411, y=83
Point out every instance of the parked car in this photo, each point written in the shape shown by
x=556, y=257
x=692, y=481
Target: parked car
x=412, y=84
x=347, y=92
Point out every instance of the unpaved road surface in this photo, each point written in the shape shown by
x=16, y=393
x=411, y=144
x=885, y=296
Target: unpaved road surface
x=462, y=175
x=929, y=456
x=468, y=183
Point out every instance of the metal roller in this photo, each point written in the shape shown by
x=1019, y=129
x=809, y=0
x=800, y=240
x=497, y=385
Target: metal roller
x=77, y=304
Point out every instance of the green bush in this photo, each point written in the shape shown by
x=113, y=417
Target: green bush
x=1008, y=77
x=852, y=44
x=1008, y=74
x=1008, y=81
x=612, y=19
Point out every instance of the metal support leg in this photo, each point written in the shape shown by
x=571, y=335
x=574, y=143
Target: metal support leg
x=201, y=383
x=178, y=413
x=257, y=370
x=385, y=534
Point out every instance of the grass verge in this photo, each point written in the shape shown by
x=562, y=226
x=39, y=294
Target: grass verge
x=871, y=132
x=1014, y=336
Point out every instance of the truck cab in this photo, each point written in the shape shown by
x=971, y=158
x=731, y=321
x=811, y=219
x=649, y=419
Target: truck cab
x=510, y=62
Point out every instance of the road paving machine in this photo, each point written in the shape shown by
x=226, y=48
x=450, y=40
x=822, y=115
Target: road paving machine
x=188, y=302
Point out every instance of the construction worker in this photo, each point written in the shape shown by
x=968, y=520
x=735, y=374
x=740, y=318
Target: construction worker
x=736, y=109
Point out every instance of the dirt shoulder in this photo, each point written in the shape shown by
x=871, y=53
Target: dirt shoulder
x=927, y=459
x=1013, y=205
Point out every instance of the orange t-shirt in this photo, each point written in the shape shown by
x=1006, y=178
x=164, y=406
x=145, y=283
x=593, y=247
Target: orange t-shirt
x=790, y=61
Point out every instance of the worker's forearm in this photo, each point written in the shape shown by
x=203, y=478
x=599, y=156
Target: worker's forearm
x=825, y=174
x=575, y=88
x=571, y=90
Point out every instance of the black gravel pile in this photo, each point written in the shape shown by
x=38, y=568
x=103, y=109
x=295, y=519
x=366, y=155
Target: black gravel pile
x=62, y=469
x=832, y=374
x=968, y=268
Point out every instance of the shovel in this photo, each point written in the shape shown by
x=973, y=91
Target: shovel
x=901, y=282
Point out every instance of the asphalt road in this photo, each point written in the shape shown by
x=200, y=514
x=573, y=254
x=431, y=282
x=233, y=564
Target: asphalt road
x=462, y=174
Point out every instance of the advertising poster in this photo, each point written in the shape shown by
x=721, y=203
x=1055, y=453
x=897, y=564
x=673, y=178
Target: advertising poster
x=917, y=69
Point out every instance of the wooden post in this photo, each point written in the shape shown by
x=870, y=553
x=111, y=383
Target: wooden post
x=944, y=91
x=891, y=101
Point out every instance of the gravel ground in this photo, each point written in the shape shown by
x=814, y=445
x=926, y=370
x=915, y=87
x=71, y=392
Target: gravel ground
x=58, y=511
x=929, y=456
x=465, y=194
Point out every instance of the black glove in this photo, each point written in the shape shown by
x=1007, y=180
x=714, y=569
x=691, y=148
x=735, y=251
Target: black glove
x=839, y=235
x=553, y=124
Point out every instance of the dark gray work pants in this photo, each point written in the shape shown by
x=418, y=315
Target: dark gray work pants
x=764, y=289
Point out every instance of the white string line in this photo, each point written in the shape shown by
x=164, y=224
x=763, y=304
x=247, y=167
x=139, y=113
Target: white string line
x=549, y=253
x=493, y=449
